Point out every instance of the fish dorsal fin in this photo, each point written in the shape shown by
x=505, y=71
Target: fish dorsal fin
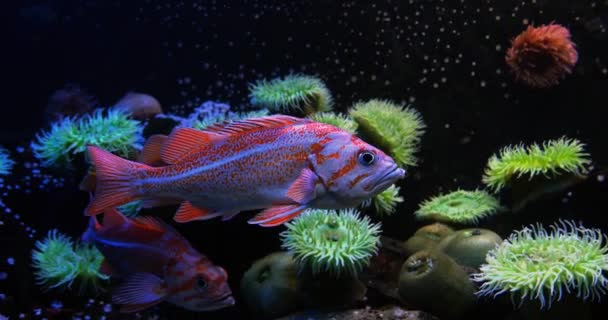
x=113, y=218
x=183, y=141
x=240, y=126
x=150, y=155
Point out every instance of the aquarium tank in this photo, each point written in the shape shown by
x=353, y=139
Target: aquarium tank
x=311, y=159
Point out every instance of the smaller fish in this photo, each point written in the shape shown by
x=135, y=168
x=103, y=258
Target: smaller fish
x=158, y=265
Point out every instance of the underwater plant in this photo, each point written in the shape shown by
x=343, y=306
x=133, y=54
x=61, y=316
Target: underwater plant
x=460, y=206
x=221, y=117
x=426, y=238
x=385, y=203
x=112, y=130
x=300, y=93
x=58, y=263
x=469, y=247
x=270, y=285
x=333, y=242
x=391, y=127
x=89, y=266
x=432, y=281
x=337, y=120
x=6, y=163
x=541, y=56
x=539, y=264
x=555, y=157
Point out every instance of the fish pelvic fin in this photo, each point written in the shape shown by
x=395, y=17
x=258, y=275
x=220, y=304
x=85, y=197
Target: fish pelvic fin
x=188, y=212
x=140, y=291
x=277, y=215
x=114, y=180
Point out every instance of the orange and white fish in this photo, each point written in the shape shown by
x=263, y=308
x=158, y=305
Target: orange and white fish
x=158, y=265
x=278, y=163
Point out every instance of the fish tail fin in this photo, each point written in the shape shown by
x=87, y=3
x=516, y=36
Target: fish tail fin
x=89, y=234
x=114, y=180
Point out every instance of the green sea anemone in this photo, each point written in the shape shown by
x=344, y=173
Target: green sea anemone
x=6, y=163
x=432, y=281
x=462, y=207
x=270, y=285
x=112, y=130
x=539, y=264
x=469, y=247
x=300, y=93
x=89, y=265
x=427, y=237
x=391, y=127
x=59, y=263
x=553, y=157
x=385, y=203
x=327, y=241
x=336, y=120
x=219, y=118
x=55, y=261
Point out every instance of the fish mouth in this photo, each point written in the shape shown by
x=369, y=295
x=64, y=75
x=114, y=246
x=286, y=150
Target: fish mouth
x=218, y=303
x=391, y=175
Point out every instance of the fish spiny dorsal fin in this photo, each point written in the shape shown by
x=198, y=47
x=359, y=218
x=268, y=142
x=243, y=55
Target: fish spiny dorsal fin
x=183, y=141
x=235, y=127
x=150, y=223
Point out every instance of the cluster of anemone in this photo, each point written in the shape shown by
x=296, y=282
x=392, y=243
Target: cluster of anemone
x=539, y=264
x=552, y=158
x=293, y=93
x=333, y=242
x=6, y=163
x=391, y=127
x=461, y=207
x=228, y=116
x=337, y=120
x=59, y=262
x=112, y=130
x=385, y=203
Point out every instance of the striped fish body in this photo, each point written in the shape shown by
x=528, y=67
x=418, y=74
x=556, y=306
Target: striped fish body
x=278, y=163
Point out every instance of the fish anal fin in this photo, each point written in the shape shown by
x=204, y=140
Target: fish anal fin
x=303, y=189
x=140, y=291
x=184, y=141
x=188, y=212
x=150, y=155
x=277, y=215
x=229, y=215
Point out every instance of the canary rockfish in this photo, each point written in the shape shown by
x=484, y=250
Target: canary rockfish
x=278, y=163
x=157, y=263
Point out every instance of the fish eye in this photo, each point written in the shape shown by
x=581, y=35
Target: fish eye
x=201, y=284
x=366, y=158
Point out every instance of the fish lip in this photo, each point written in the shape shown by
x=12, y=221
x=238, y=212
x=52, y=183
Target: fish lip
x=393, y=173
x=218, y=303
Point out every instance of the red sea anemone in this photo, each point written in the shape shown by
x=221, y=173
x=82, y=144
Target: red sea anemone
x=541, y=56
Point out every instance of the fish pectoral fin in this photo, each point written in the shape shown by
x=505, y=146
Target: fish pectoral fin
x=303, y=189
x=277, y=215
x=188, y=212
x=140, y=291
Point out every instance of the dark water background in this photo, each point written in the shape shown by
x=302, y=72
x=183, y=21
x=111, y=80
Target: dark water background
x=446, y=58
